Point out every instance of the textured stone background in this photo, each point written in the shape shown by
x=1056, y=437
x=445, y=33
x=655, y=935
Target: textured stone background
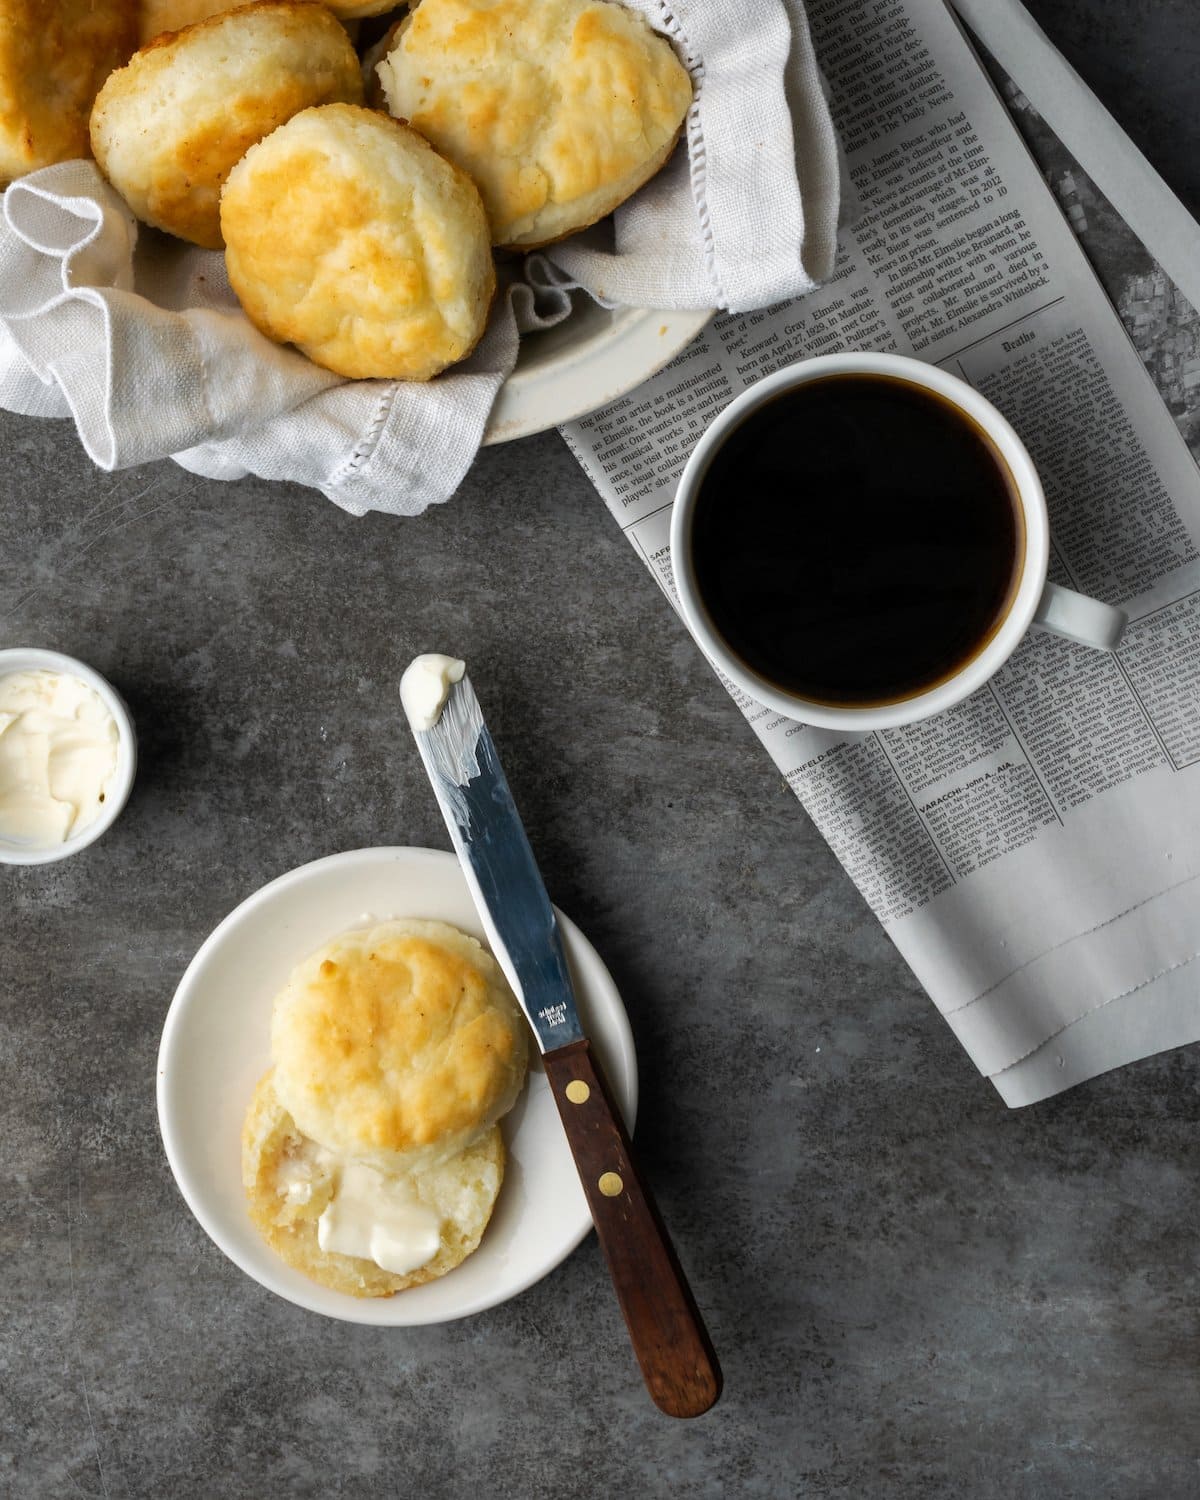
x=914, y=1292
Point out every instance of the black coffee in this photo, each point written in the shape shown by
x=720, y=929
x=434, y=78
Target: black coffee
x=857, y=540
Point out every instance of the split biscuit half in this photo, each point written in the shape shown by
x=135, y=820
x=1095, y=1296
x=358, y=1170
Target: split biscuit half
x=398, y=1044
x=290, y=1182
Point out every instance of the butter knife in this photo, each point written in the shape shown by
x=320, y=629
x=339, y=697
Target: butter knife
x=668, y=1334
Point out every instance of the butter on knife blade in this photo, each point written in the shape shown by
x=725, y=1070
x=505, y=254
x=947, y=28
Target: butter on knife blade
x=425, y=686
x=489, y=838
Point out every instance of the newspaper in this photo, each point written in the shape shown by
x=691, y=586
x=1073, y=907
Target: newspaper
x=1033, y=853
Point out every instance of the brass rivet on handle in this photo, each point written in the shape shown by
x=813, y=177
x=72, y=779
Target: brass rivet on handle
x=578, y=1091
x=610, y=1184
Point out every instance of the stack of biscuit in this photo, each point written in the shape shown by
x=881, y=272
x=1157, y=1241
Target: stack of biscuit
x=361, y=236
x=371, y=1153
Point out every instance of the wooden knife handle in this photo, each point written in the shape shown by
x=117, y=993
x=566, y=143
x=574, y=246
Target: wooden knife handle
x=668, y=1334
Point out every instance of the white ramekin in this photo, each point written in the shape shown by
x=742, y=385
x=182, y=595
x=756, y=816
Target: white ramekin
x=29, y=659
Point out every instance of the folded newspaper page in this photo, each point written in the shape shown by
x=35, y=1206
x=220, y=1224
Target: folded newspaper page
x=1035, y=852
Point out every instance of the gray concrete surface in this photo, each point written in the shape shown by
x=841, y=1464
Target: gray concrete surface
x=914, y=1292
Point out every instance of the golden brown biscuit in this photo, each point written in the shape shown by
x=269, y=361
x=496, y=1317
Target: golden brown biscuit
x=399, y=1044
x=157, y=16
x=53, y=58
x=168, y=128
x=559, y=109
x=347, y=235
x=290, y=1181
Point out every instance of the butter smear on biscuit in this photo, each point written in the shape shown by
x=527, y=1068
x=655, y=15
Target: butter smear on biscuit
x=379, y=1218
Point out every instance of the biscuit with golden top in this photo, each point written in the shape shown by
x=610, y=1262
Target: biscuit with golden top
x=347, y=235
x=290, y=1181
x=559, y=109
x=53, y=58
x=168, y=128
x=399, y=1044
x=157, y=16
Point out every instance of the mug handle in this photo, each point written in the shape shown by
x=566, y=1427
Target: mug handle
x=1079, y=618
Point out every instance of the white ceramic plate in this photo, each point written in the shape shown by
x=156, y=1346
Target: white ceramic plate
x=216, y=1045
x=590, y=359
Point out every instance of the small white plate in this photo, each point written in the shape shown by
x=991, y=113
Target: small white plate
x=594, y=356
x=216, y=1045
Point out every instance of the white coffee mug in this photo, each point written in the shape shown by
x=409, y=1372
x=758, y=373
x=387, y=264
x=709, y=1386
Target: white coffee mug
x=1034, y=601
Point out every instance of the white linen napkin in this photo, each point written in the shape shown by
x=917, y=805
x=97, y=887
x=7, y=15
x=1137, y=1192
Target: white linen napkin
x=139, y=339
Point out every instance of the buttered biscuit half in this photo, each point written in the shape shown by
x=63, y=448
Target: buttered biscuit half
x=168, y=128
x=559, y=109
x=400, y=1045
x=355, y=1227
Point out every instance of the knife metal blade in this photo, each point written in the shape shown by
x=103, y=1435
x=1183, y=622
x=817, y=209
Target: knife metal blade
x=493, y=849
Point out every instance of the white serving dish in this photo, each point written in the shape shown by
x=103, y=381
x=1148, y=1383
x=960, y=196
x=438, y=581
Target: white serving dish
x=30, y=659
x=588, y=360
x=216, y=1045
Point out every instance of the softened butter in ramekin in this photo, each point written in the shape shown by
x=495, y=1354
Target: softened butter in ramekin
x=58, y=757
